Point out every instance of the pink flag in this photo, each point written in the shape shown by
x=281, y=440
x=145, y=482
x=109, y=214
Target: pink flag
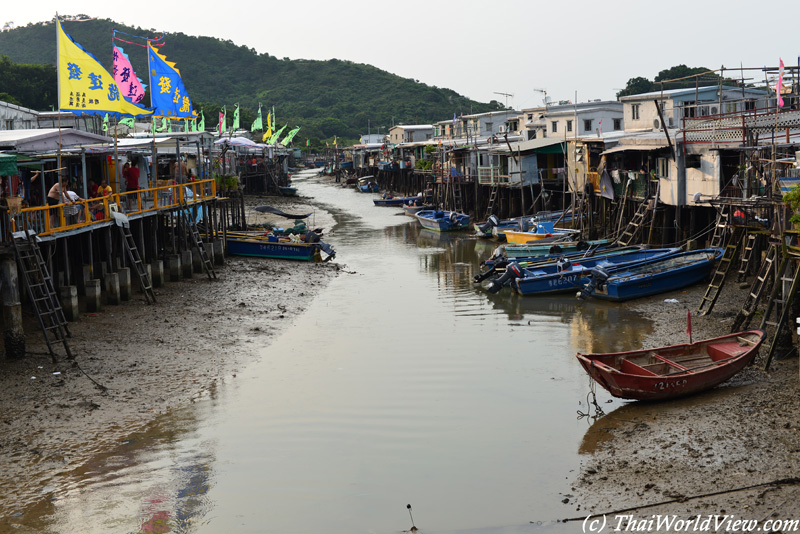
x=221, y=122
x=780, y=85
x=130, y=86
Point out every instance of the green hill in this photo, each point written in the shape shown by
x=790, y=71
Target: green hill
x=325, y=98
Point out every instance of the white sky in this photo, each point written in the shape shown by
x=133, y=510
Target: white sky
x=479, y=48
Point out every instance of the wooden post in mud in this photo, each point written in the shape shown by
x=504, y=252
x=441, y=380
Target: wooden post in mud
x=13, y=335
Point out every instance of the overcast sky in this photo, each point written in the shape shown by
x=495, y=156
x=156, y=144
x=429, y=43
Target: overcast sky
x=479, y=48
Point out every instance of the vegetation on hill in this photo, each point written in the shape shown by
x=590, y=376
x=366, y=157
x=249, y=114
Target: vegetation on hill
x=677, y=77
x=326, y=98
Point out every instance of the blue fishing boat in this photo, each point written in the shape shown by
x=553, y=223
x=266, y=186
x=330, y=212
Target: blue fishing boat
x=571, y=274
x=664, y=274
x=494, y=226
x=551, y=246
x=389, y=200
x=271, y=246
x=443, y=221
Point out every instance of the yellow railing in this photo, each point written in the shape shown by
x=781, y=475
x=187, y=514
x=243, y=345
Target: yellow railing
x=47, y=220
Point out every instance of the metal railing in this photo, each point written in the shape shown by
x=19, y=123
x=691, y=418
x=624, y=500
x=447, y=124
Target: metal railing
x=49, y=220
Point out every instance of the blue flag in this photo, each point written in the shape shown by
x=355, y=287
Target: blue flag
x=168, y=94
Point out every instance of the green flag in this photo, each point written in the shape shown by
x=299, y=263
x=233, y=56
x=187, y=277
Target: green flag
x=105, y=123
x=235, y=118
x=127, y=122
x=166, y=123
x=202, y=126
x=258, y=124
x=274, y=138
x=289, y=136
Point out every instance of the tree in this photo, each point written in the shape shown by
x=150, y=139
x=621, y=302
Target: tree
x=636, y=86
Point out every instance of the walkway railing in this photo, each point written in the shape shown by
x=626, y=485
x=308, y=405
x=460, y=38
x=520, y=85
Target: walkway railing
x=49, y=220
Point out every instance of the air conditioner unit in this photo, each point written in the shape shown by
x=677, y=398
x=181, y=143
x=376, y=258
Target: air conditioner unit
x=656, y=124
x=713, y=110
x=502, y=129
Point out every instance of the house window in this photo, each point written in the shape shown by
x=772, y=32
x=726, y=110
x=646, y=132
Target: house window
x=488, y=127
x=554, y=126
x=692, y=161
x=662, y=168
x=617, y=124
x=635, y=111
x=730, y=107
x=749, y=105
x=530, y=116
x=569, y=126
x=587, y=125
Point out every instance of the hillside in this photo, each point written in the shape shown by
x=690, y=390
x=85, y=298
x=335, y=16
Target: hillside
x=326, y=98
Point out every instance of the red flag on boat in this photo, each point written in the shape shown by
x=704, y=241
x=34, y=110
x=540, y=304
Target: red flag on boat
x=689, y=324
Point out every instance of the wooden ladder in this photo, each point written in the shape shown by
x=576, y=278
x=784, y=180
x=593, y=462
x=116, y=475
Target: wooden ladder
x=197, y=241
x=720, y=228
x=458, y=200
x=761, y=281
x=635, y=223
x=41, y=292
x=721, y=272
x=492, y=199
x=747, y=255
x=133, y=254
x=781, y=301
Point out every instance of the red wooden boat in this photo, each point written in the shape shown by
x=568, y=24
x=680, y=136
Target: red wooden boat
x=674, y=371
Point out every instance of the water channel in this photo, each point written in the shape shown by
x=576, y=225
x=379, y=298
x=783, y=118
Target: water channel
x=402, y=384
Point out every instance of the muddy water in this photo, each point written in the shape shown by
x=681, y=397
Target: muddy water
x=403, y=383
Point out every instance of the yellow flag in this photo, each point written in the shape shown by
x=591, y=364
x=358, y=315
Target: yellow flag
x=85, y=85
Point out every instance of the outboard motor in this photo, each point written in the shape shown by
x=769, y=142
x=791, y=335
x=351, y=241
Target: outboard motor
x=327, y=249
x=453, y=218
x=582, y=245
x=555, y=249
x=563, y=264
x=512, y=271
x=596, y=279
x=524, y=225
x=490, y=223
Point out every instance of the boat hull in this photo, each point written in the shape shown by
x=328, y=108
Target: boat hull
x=522, y=238
x=443, y=221
x=673, y=371
x=659, y=276
x=264, y=248
x=546, y=279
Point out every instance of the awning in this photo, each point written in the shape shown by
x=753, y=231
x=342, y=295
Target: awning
x=639, y=148
x=8, y=164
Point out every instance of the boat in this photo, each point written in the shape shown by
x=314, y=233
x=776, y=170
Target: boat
x=413, y=209
x=541, y=230
x=443, y=221
x=673, y=371
x=287, y=191
x=389, y=200
x=569, y=274
x=551, y=246
x=653, y=277
x=272, y=246
x=367, y=184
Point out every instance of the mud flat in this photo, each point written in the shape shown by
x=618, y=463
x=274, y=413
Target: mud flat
x=150, y=359
x=744, y=433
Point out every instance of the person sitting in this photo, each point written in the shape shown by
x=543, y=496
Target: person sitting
x=93, y=189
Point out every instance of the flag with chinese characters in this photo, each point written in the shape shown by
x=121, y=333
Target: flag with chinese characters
x=129, y=84
x=289, y=136
x=235, y=119
x=779, y=89
x=222, y=127
x=105, y=123
x=85, y=85
x=168, y=95
x=128, y=122
x=258, y=124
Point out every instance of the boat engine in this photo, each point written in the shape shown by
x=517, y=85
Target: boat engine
x=512, y=271
x=563, y=264
x=490, y=223
x=453, y=218
x=524, y=225
x=597, y=278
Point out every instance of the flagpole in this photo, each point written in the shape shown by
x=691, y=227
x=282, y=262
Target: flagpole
x=58, y=100
x=154, y=157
